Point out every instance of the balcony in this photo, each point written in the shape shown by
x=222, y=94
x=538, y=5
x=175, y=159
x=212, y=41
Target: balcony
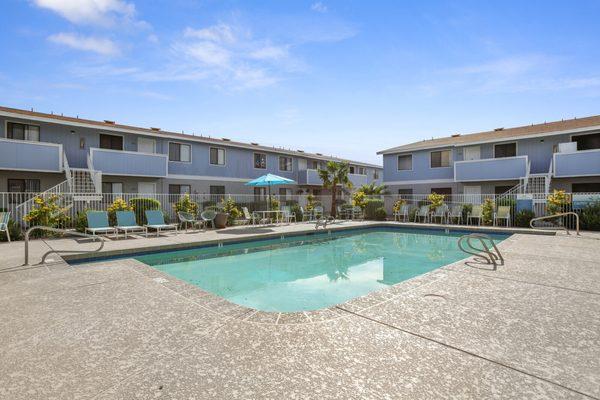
x=129, y=163
x=577, y=163
x=309, y=177
x=491, y=169
x=23, y=155
x=358, y=180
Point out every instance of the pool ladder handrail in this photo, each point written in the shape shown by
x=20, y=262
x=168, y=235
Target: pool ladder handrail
x=556, y=227
x=490, y=255
x=63, y=231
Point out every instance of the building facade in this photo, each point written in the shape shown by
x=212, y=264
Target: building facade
x=557, y=155
x=38, y=151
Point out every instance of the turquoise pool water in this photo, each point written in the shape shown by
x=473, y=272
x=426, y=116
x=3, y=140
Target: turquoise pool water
x=310, y=272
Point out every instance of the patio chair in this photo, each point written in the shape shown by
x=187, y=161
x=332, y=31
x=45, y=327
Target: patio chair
x=422, y=212
x=126, y=223
x=156, y=221
x=402, y=213
x=98, y=223
x=357, y=213
x=476, y=213
x=502, y=213
x=208, y=216
x=186, y=219
x=4, y=218
x=318, y=212
x=456, y=213
x=249, y=218
x=288, y=215
x=440, y=212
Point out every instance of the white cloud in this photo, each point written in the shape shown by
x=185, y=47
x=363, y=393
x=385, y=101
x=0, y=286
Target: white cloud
x=99, y=12
x=270, y=53
x=206, y=52
x=220, y=33
x=319, y=7
x=97, y=45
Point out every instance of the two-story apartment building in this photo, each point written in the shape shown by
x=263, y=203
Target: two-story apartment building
x=556, y=155
x=38, y=150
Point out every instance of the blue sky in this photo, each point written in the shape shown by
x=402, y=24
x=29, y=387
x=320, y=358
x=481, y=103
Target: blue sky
x=340, y=77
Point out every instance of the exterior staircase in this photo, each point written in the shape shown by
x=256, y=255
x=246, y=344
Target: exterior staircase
x=80, y=185
x=537, y=186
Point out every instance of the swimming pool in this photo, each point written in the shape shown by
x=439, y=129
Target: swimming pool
x=311, y=272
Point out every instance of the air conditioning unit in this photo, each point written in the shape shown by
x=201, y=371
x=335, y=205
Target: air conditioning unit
x=568, y=147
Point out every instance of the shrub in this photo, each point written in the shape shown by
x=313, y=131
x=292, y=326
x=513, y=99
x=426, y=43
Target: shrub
x=523, y=218
x=274, y=201
x=359, y=199
x=590, y=217
x=208, y=204
x=228, y=206
x=14, y=229
x=557, y=202
x=295, y=209
x=487, y=212
x=81, y=221
x=46, y=212
x=185, y=204
x=436, y=201
x=310, y=202
x=370, y=206
x=380, y=214
x=466, y=210
x=118, y=205
x=398, y=205
x=140, y=205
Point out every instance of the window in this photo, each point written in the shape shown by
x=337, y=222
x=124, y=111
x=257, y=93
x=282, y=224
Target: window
x=180, y=189
x=260, y=160
x=587, y=142
x=501, y=189
x=180, y=152
x=440, y=159
x=351, y=169
x=315, y=165
x=24, y=185
x=375, y=174
x=260, y=192
x=217, y=156
x=405, y=193
x=111, y=142
x=445, y=191
x=284, y=194
x=505, y=150
x=22, y=132
x=362, y=171
x=405, y=162
x=112, y=187
x=592, y=187
x=285, y=163
x=217, y=190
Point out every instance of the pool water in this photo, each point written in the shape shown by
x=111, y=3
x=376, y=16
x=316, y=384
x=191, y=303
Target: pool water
x=310, y=272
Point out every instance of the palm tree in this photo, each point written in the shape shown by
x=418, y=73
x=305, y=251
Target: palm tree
x=334, y=175
x=373, y=189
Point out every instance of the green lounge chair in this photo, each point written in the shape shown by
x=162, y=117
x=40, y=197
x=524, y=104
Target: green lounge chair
x=98, y=223
x=4, y=218
x=126, y=223
x=156, y=221
x=502, y=213
x=476, y=213
x=440, y=212
x=357, y=213
x=402, y=213
x=422, y=212
x=455, y=213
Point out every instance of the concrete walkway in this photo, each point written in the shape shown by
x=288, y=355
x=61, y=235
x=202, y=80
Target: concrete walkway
x=109, y=330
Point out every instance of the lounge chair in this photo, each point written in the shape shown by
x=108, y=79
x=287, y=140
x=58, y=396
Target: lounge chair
x=186, y=219
x=476, y=213
x=456, y=213
x=502, y=213
x=4, y=218
x=440, y=212
x=402, y=213
x=156, y=221
x=249, y=218
x=208, y=216
x=126, y=223
x=422, y=212
x=98, y=223
x=357, y=213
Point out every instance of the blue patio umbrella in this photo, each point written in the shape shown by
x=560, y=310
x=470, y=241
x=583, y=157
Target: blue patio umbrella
x=269, y=180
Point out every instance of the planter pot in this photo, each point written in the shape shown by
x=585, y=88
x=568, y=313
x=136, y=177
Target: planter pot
x=221, y=220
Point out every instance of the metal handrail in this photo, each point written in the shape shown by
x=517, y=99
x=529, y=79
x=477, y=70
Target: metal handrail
x=64, y=231
x=556, y=227
x=489, y=256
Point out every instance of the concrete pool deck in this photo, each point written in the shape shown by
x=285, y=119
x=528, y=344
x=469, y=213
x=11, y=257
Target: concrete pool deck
x=114, y=330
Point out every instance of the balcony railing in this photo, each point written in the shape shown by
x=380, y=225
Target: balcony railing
x=309, y=177
x=129, y=163
x=358, y=180
x=491, y=169
x=577, y=163
x=22, y=155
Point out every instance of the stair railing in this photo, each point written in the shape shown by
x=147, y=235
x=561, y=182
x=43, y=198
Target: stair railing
x=63, y=231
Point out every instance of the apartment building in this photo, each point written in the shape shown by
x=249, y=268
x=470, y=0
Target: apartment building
x=535, y=158
x=39, y=150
